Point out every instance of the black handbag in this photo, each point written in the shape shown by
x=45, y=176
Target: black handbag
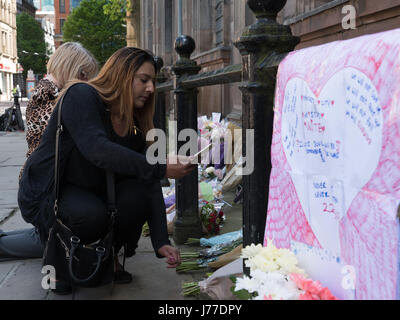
x=80, y=264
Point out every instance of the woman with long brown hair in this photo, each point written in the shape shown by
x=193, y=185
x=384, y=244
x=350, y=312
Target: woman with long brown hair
x=120, y=98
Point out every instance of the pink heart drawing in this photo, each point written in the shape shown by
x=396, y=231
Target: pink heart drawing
x=366, y=206
x=318, y=134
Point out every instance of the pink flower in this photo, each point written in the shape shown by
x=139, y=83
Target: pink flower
x=309, y=296
x=298, y=279
x=327, y=295
x=312, y=290
x=269, y=297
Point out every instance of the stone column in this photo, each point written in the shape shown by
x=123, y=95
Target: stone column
x=262, y=46
x=188, y=224
x=133, y=23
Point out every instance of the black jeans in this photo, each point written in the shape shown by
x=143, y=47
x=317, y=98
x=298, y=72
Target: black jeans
x=85, y=212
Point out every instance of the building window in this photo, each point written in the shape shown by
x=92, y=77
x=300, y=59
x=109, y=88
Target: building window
x=62, y=6
x=219, y=23
x=3, y=41
x=308, y=8
x=168, y=26
x=62, y=21
x=47, y=5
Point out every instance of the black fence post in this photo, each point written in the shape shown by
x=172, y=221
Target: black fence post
x=188, y=224
x=262, y=45
x=159, y=118
x=159, y=112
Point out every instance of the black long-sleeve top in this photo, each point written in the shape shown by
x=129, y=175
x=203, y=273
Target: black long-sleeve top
x=83, y=117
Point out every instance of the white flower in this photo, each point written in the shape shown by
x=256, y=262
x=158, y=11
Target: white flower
x=246, y=283
x=274, y=285
x=271, y=259
x=251, y=250
x=269, y=271
x=210, y=170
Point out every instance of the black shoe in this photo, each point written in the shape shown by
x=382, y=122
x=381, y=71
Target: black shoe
x=122, y=277
x=62, y=288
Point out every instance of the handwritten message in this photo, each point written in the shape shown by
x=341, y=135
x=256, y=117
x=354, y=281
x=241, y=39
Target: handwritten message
x=318, y=134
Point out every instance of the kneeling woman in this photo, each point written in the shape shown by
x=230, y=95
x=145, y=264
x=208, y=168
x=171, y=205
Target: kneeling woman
x=120, y=98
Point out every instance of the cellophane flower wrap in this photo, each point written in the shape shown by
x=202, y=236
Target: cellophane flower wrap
x=275, y=275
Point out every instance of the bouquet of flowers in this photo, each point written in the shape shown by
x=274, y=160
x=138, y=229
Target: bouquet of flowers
x=274, y=275
x=211, y=218
x=223, y=239
x=202, y=259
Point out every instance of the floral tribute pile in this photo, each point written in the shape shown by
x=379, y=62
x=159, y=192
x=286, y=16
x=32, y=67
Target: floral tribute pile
x=275, y=275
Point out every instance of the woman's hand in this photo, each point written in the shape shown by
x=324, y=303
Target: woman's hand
x=172, y=254
x=179, y=166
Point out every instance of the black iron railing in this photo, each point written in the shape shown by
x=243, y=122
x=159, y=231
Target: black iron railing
x=262, y=46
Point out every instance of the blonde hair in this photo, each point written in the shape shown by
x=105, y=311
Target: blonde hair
x=70, y=61
x=114, y=83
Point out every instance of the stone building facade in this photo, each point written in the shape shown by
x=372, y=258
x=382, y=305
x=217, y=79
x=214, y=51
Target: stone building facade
x=213, y=24
x=216, y=24
x=8, y=47
x=26, y=6
x=320, y=21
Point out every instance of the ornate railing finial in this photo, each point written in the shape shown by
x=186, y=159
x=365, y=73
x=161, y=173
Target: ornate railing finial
x=185, y=46
x=266, y=8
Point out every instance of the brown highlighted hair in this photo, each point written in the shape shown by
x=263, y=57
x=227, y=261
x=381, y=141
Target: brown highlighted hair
x=114, y=83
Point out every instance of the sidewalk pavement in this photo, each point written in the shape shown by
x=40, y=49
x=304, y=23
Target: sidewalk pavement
x=21, y=279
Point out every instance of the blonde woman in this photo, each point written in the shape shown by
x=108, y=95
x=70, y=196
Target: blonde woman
x=120, y=98
x=70, y=61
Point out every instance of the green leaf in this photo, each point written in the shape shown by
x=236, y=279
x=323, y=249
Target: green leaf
x=241, y=294
x=96, y=30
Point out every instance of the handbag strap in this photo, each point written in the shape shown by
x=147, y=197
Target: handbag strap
x=112, y=208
